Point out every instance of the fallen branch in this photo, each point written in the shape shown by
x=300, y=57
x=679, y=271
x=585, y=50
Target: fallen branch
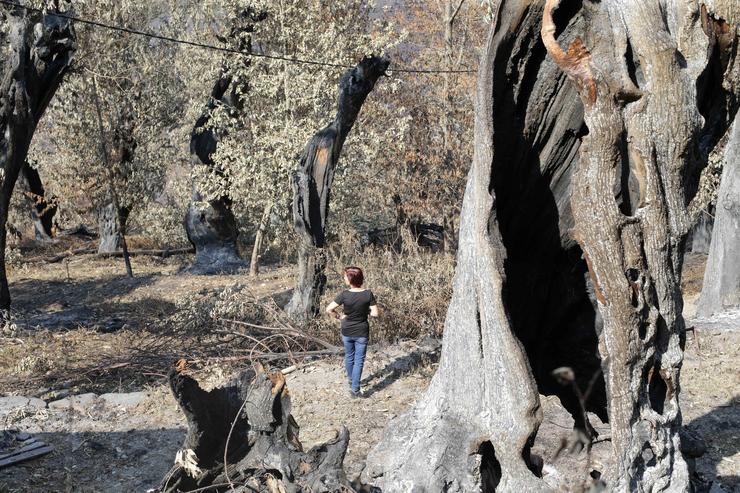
x=84, y=251
x=290, y=330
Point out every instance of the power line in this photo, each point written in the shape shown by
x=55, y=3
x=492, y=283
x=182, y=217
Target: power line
x=219, y=48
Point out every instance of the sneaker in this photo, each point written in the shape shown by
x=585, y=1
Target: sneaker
x=355, y=395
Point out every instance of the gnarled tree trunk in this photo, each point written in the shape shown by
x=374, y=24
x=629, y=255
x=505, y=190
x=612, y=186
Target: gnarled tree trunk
x=41, y=47
x=721, y=289
x=638, y=71
x=520, y=270
x=474, y=426
x=312, y=184
x=210, y=224
x=43, y=208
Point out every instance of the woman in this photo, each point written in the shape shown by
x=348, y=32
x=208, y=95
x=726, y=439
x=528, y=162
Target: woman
x=357, y=303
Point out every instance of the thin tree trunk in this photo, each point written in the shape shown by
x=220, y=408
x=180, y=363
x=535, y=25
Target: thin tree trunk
x=721, y=289
x=638, y=85
x=41, y=47
x=254, y=267
x=450, y=14
x=113, y=231
x=312, y=184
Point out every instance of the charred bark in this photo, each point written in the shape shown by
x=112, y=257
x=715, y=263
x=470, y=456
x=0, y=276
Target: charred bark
x=721, y=289
x=210, y=224
x=243, y=436
x=636, y=73
x=43, y=208
x=312, y=184
x=41, y=47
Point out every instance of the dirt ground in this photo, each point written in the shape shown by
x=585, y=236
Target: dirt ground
x=80, y=325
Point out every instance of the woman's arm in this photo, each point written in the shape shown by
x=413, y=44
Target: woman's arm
x=332, y=309
x=374, y=310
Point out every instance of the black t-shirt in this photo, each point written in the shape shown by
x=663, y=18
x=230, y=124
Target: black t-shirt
x=356, y=306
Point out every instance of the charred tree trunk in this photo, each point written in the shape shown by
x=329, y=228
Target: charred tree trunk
x=721, y=289
x=41, y=47
x=636, y=72
x=210, y=224
x=43, y=208
x=242, y=437
x=254, y=264
x=312, y=184
x=520, y=269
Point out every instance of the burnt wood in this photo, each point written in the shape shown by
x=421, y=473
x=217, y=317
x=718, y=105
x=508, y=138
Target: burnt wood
x=40, y=50
x=313, y=180
x=248, y=421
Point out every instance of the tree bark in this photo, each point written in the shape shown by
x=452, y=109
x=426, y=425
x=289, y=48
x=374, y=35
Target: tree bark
x=41, y=47
x=721, y=289
x=110, y=224
x=312, y=184
x=43, y=208
x=254, y=266
x=474, y=426
x=637, y=78
x=244, y=435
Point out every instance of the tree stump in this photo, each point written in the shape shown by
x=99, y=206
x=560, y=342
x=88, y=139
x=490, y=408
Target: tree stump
x=248, y=423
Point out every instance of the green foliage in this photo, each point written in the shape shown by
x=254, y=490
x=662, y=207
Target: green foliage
x=284, y=104
x=144, y=88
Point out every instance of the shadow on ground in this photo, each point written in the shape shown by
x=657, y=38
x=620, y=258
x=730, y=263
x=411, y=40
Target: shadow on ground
x=426, y=354
x=720, y=429
x=59, y=305
x=97, y=461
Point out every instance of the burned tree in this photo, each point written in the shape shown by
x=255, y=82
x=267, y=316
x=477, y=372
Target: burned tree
x=210, y=223
x=43, y=208
x=529, y=268
x=39, y=47
x=312, y=184
x=243, y=436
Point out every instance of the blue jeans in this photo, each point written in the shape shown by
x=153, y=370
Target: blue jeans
x=354, y=359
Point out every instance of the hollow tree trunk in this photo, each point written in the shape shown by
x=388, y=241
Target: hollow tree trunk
x=721, y=289
x=43, y=209
x=254, y=266
x=41, y=48
x=636, y=73
x=473, y=428
x=248, y=422
x=312, y=184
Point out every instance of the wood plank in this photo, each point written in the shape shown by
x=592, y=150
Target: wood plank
x=30, y=445
x=32, y=454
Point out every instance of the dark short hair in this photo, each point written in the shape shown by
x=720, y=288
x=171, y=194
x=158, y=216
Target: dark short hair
x=355, y=276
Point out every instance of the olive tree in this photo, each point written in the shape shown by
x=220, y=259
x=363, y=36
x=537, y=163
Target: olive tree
x=571, y=242
x=37, y=49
